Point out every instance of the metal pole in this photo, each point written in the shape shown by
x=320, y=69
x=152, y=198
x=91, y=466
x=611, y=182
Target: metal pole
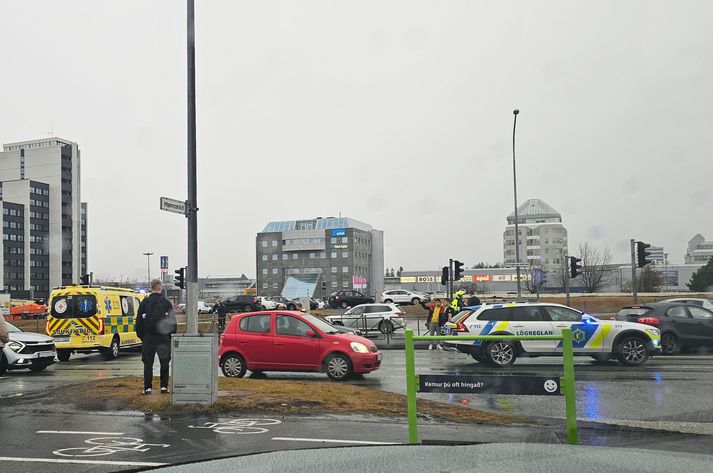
x=514, y=188
x=450, y=280
x=148, y=266
x=633, y=271
x=570, y=399
x=411, y=388
x=192, y=270
x=566, y=276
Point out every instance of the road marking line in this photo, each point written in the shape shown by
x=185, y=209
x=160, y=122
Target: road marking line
x=360, y=442
x=81, y=462
x=76, y=432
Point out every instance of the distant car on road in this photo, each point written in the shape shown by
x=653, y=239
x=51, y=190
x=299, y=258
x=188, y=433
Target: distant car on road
x=26, y=350
x=266, y=303
x=289, y=304
x=348, y=298
x=384, y=318
x=294, y=341
x=403, y=296
x=631, y=343
x=705, y=303
x=242, y=303
x=682, y=326
x=203, y=308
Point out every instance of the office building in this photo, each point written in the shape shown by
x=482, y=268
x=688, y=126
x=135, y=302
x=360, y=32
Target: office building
x=214, y=288
x=543, y=238
x=699, y=250
x=656, y=254
x=40, y=182
x=314, y=257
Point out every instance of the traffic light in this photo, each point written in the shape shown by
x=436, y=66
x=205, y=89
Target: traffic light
x=575, y=268
x=180, y=278
x=444, y=276
x=85, y=280
x=457, y=270
x=642, y=256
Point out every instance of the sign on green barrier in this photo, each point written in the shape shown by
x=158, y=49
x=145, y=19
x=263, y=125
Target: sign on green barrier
x=528, y=385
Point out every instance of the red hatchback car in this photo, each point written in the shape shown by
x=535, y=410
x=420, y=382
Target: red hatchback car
x=293, y=341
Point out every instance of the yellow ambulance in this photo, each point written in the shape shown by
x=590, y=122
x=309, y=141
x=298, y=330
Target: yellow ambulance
x=85, y=319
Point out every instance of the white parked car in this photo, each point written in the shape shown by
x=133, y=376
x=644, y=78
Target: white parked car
x=203, y=308
x=630, y=343
x=266, y=303
x=384, y=318
x=705, y=303
x=403, y=296
x=26, y=350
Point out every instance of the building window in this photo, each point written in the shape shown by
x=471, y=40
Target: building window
x=345, y=269
x=274, y=243
x=334, y=269
x=333, y=240
x=295, y=256
x=264, y=271
x=274, y=285
x=334, y=284
x=345, y=283
x=345, y=239
x=322, y=255
x=345, y=254
x=334, y=254
x=274, y=270
x=264, y=244
x=264, y=257
x=274, y=257
x=284, y=256
x=311, y=256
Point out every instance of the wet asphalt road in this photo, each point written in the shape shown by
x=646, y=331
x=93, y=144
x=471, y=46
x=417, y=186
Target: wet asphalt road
x=667, y=398
x=665, y=389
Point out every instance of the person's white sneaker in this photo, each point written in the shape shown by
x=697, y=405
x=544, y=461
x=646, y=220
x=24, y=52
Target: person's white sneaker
x=438, y=347
x=430, y=347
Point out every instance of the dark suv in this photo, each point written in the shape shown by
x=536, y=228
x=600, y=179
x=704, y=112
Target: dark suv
x=683, y=326
x=242, y=304
x=346, y=299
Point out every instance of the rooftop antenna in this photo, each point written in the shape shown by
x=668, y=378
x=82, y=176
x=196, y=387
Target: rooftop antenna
x=340, y=214
x=51, y=132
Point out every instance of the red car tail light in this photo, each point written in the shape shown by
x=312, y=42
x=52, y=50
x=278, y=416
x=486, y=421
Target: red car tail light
x=648, y=320
x=400, y=314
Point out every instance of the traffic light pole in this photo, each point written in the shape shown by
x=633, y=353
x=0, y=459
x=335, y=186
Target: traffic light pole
x=450, y=280
x=566, y=281
x=633, y=271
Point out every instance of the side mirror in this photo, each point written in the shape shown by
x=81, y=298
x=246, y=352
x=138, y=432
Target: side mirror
x=310, y=333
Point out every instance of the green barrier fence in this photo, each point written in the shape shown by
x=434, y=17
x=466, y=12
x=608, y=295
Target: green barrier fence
x=566, y=382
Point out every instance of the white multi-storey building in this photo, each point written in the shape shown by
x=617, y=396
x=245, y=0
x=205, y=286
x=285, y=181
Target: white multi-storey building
x=543, y=238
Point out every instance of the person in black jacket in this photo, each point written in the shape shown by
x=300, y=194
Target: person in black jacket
x=222, y=311
x=154, y=324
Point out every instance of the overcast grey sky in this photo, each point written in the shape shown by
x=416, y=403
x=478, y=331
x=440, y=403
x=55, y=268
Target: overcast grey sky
x=374, y=109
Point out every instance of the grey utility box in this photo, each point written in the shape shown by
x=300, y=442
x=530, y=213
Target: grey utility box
x=194, y=368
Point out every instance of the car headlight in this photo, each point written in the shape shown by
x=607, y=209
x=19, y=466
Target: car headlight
x=654, y=331
x=16, y=346
x=359, y=347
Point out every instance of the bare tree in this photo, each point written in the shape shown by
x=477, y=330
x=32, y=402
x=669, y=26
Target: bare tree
x=560, y=275
x=596, y=266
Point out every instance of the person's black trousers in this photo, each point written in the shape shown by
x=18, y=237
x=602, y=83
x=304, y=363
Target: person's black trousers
x=153, y=345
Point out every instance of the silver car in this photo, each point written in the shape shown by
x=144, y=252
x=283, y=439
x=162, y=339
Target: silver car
x=27, y=350
x=705, y=303
x=403, y=296
x=384, y=318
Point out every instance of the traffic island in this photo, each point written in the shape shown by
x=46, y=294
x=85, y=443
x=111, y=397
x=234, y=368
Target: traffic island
x=253, y=396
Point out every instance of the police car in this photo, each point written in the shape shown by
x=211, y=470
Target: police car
x=630, y=343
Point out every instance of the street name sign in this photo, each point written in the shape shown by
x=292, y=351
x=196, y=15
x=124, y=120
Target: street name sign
x=173, y=205
x=530, y=385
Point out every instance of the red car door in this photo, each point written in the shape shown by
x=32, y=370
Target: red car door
x=292, y=348
x=254, y=340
